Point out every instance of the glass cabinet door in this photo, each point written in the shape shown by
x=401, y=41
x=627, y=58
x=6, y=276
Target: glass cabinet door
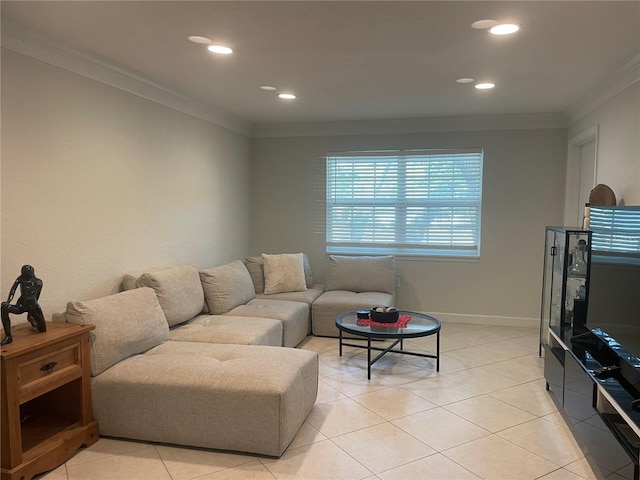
x=565, y=282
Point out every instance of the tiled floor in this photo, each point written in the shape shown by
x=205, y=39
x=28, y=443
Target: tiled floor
x=485, y=415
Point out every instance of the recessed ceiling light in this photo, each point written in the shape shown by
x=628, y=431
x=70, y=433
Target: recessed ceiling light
x=465, y=80
x=222, y=50
x=504, y=29
x=484, y=24
x=484, y=86
x=268, y=87
x=287, y=96
x=200, y=40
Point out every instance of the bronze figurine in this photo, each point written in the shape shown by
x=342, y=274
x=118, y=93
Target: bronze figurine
x=30, y=288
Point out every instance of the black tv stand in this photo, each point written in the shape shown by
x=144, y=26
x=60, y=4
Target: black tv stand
x=593, y=393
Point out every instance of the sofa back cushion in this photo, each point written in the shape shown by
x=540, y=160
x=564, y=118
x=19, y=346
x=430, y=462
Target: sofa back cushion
x=255, y=266
x=127, y=323
x=362, y=274
x=227, y=287
x=178, y=289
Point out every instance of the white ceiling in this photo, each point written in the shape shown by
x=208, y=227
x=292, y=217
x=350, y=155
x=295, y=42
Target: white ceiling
x=358, y=60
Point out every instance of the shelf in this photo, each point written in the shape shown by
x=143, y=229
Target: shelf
x=36, y=430
x=624, y=433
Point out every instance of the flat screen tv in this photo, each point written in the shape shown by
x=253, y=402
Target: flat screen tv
x=614, y=289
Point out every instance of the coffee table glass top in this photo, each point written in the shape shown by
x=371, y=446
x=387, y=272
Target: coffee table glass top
x=420, y=325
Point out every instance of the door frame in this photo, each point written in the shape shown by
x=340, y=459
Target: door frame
x=572, y=183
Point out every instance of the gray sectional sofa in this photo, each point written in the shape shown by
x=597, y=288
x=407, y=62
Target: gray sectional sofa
x=195, y=357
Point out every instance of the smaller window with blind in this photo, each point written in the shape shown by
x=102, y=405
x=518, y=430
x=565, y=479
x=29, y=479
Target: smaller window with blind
x=616, y=230
x=420, y=203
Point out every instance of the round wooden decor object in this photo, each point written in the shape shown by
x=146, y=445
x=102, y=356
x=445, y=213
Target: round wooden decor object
x=602, y=196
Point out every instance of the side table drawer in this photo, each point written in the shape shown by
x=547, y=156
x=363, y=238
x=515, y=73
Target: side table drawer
x=49, y=366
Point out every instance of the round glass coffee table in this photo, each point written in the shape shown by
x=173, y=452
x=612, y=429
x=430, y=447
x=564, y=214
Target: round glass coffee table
x=419, y=325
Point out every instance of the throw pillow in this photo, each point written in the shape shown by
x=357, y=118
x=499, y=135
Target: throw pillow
x=227, y=287
x=284, y=273
x=255, y=265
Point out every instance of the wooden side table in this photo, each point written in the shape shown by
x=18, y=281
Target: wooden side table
x=46, y=398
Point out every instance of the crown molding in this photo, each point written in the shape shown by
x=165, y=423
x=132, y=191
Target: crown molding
x=413, y=125
x=21, y=41
x=606, y=90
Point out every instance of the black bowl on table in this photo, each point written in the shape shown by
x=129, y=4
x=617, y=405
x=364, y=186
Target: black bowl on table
x=390, y=315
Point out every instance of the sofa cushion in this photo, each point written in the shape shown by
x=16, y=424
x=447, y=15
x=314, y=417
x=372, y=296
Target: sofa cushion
x=283, y=273
x=335, y=302
x=127, y=323
x=294, y=317
x=255, y=266
x=362, y=274
x=178, y=289
x=228, y=329
x=308, y=296
x=227, y=286
x=231, y=397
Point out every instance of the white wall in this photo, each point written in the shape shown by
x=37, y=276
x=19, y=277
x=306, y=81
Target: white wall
x=97, y=182
x=523, y=190
x=618, y=155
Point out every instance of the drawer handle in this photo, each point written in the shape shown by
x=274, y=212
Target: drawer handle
x=48, y=367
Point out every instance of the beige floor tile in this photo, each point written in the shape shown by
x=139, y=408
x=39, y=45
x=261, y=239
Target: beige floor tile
x=489, y=413
x=332, y=364
x=531, y=397
x=484, y=379
x=356, y=383
x=253, y=470
x=105, y=447
x=59, y=473
x=561, y=474
x=521, y=370
x=305, y=436
x=518, y=347
x=408, y=370
x=319, y=461
x=546, y=439
x=342, y=416
x=455, y=341
x=382, y=447
x=478, y=356
x=441, y=390
x=440, y=429
x=494, y=458
x=188, y=463
x=141, y=464
x=433, y=467
x=327, y=394
x=320, y=345
x=395, y=402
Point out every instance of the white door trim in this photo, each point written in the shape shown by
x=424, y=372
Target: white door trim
x=572, y=186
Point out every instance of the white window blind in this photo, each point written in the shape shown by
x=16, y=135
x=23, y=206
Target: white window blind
x=615, y=229
x=405, y=203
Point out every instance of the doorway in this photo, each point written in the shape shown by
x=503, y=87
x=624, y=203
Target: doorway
x=581, y=174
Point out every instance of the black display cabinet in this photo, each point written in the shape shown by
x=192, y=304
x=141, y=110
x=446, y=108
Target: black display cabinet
x=565, y=285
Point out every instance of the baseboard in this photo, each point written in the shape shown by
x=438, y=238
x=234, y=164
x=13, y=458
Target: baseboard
x=486, y=320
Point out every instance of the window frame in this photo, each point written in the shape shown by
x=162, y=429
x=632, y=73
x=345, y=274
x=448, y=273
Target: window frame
x=464, y=207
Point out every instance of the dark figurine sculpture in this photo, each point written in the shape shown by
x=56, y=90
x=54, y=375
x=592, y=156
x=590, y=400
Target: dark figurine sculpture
x=30, y=288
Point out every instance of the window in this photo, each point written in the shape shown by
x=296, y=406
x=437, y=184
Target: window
x=404, y=203
x=616, y=230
